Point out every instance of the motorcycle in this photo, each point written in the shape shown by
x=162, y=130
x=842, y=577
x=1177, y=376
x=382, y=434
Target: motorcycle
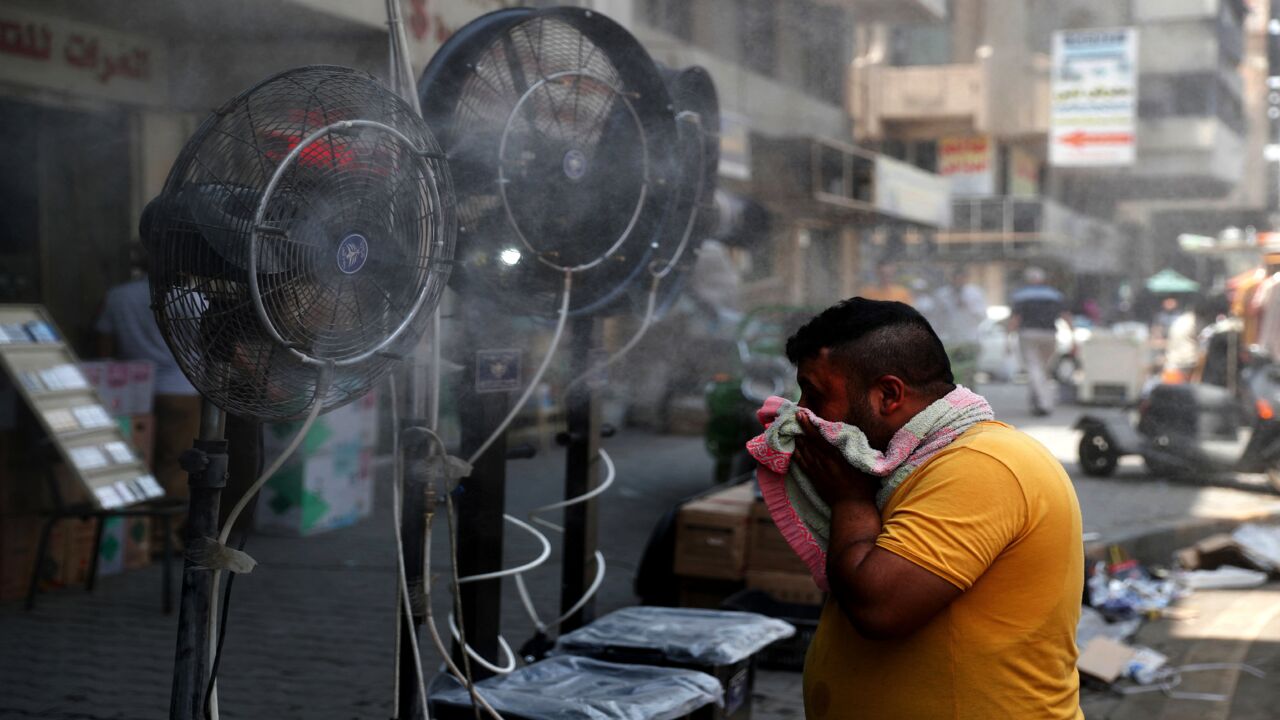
x=1195, y=430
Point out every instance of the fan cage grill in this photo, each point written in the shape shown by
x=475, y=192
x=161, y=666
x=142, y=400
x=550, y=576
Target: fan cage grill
x=353, y=242
x=519, y=107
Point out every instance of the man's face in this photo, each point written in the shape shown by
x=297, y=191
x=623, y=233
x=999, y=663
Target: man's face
x=830, y=390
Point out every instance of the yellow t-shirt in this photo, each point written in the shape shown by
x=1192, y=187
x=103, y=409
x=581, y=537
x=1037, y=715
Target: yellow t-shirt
x=995, y=515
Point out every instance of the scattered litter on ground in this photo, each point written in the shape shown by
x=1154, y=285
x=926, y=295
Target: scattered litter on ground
x=1123, y=590
x=1214, y=552
x=1166, y=679
x=1105, y=659
x=1261, y=544
x=1222, y=578
x=1145, y=665
x=1092, y=624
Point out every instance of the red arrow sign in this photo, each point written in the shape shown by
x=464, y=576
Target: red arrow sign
x=1081, y=138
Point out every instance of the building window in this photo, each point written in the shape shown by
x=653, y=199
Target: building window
x=758, y=35
x=926, y=155
x=920, y=45
x=673, y=16
x=1190, y=95
x=827, y=38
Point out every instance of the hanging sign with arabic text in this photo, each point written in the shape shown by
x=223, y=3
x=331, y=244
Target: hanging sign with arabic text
x=85, y=60
x=1094, y=98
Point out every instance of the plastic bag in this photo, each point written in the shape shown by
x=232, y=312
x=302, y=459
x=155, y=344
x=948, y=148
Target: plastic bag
x=579, y=688
x=682, y=635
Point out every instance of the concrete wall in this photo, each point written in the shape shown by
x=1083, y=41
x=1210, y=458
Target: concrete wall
x=1163, y=10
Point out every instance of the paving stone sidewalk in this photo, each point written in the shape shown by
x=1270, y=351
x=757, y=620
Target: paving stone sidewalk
x=311, y=631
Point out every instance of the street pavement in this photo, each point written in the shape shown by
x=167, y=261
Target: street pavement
x=311, y=629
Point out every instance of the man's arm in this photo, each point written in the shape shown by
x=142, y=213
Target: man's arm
x=882, y=594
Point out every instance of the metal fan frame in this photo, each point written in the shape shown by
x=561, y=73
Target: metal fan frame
x=502, y=179
x=260, y=228
x=659, y=269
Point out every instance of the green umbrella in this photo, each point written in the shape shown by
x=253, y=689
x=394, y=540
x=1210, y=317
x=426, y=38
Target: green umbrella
x=1169, y=281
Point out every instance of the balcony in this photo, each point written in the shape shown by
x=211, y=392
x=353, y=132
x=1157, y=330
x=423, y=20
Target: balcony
x=1031, y=227
x=831, y=179
x=989, y=96
x=894, y=11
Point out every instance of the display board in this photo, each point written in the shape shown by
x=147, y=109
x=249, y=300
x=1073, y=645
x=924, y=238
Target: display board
x=48, y=377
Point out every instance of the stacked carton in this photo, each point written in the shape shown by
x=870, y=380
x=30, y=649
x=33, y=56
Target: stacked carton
x=328, y=482
x=126, y=387
x=726, y=540
x=125, y=542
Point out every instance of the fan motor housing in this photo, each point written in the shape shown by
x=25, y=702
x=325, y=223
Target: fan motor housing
x=308, y=223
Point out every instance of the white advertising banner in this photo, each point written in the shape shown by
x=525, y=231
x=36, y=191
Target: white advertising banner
x=1094, y=98
x=970, y=163
x=911, y=193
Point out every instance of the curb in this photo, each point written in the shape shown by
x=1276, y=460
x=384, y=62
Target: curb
x=1156, y=547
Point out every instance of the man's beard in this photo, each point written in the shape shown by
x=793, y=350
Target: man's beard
x=863, y=416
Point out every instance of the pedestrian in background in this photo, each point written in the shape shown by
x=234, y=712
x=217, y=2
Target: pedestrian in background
x=1034, y=318
x=887, y=286
x=127, y=330
x=960, y=307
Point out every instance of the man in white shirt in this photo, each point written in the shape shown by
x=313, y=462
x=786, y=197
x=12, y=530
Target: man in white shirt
x=127, y=330
x=960, y=308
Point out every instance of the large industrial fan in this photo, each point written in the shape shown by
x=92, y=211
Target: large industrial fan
x=564, y=146
x=302, y=238
x=560, y=135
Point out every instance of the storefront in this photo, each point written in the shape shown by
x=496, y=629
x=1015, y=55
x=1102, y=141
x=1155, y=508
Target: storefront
x=96, y=99
x=838, y=210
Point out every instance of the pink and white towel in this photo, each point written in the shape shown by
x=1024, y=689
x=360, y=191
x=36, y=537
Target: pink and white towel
x=802, y=516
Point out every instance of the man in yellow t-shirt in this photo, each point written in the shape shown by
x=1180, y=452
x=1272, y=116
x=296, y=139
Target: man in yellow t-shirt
x=959, y=598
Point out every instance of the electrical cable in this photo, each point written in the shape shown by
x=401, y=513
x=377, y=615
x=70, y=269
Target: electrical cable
x=397, y=511
x=463, y=676
x=226, y=595
x=658, y=273
x=325, y=375
x=525, y=599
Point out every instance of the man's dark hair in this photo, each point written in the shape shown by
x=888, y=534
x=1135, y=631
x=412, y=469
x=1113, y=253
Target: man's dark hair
x=877, y=338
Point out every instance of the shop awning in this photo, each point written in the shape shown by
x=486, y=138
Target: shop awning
x=1171, y=281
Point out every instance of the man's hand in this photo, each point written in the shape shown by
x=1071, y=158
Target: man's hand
x=883, y=595
x=836, y=481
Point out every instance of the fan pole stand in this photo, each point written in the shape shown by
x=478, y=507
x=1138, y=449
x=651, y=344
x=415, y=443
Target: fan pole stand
x=481, y=500
x=415, y=448
x=582, y=475
x=206, y=465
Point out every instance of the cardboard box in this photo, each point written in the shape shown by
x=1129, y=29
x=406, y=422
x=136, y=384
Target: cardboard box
x=356, y=423
x=767, y=550
x=126, y=545
x=1104, y=658
x=76, y=551
x=141, y=387
x=711, y=535
x=137, y=542
x=794, y=588
x=323, y=492
x=1214, y=552
x=111, y=551
x=126, y=387
x=140, y=431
